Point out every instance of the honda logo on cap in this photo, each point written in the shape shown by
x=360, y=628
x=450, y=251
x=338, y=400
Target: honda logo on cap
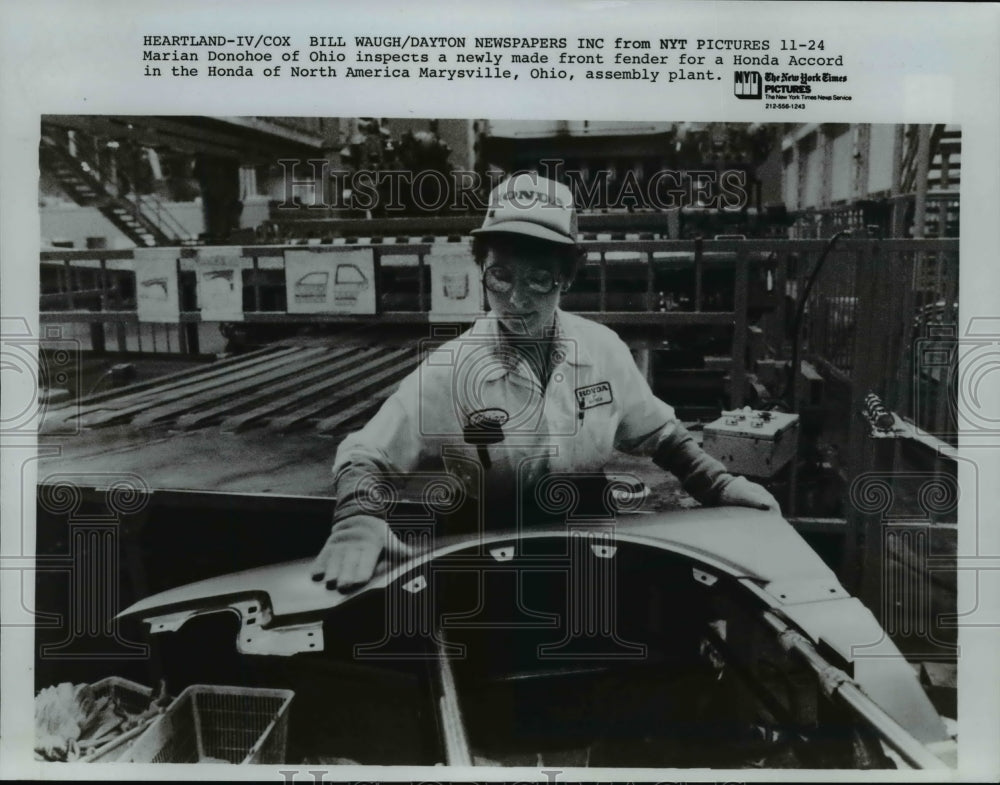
x=534, y=206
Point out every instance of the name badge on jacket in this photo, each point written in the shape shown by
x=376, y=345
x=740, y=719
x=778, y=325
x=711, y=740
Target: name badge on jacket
x=594, y=395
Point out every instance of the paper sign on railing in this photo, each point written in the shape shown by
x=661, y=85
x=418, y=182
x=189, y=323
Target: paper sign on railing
x=220, y=283
x=456, y=285
x=330, y=282
x=156, y=290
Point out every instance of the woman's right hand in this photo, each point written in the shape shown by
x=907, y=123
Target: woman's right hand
x=353, y=549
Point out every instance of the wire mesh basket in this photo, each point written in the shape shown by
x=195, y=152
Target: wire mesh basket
x=216, y=724
x=131, y=697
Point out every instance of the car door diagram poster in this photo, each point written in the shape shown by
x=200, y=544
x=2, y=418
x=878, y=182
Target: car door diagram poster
x=156, y=293
x=220, y=284
x=330, y=282
x=456, y=286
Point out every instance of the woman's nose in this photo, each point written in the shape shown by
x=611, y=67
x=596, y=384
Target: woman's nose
x=520, y=295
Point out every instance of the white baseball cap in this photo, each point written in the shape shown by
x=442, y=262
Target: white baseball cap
x=534, y=206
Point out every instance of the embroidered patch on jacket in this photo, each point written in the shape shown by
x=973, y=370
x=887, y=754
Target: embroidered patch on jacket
x=594, y=395
x=485, y=427
x=485, y=418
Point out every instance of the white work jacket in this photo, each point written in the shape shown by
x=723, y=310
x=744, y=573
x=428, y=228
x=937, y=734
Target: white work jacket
x=596, y=400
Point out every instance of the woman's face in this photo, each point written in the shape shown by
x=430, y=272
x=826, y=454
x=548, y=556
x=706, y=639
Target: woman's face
x=523, y=289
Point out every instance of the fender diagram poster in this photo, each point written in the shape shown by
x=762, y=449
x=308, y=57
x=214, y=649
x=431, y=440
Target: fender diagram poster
x=220, y=283
x=156, y=293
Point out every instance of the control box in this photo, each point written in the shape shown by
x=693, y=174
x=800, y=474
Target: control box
x=753, y=443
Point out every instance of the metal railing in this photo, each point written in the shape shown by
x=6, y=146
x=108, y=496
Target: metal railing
x=882, y=299
x=158, y=214
x=898, y=290
x=888, y=217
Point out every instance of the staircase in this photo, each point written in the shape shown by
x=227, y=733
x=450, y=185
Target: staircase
x=943, y=177
x=141, y=221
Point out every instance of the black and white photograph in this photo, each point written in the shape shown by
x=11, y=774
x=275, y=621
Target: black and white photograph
x=580, y=392
x=497, y=443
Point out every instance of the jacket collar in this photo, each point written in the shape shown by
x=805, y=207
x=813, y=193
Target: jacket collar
x=568, y=344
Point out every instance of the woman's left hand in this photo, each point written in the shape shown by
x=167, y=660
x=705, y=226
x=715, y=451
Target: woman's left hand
x=743, y=493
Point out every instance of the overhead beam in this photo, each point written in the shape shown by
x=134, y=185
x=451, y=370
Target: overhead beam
x=250, y=140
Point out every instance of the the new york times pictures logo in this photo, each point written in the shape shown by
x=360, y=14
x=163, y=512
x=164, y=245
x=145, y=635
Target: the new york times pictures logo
x=748, y=85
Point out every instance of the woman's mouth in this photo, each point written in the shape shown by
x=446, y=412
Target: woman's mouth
x=519, y=323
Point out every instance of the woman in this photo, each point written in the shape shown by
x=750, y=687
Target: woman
x=529, y=393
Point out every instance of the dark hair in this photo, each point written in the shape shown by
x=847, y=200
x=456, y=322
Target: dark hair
x=568, y=258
